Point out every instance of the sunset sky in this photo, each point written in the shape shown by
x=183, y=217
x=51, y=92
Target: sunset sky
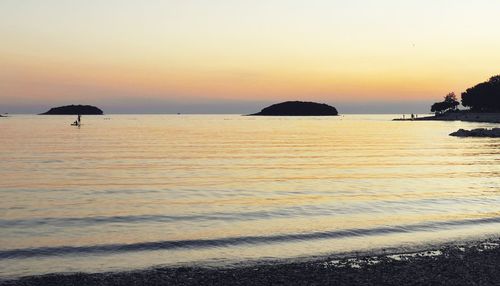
x=235, y=56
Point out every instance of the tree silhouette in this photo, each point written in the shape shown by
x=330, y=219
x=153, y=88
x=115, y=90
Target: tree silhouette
x=484, y=97
x=449, y=103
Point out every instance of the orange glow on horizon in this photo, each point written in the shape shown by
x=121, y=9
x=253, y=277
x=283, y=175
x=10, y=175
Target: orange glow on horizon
x=328, y=51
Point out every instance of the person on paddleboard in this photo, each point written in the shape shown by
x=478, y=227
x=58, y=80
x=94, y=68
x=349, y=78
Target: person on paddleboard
x=77, y=121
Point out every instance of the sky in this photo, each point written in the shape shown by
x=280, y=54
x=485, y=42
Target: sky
x=233, y=56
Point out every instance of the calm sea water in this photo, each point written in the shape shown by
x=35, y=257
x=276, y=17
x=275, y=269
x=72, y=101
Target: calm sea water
x=134, y=191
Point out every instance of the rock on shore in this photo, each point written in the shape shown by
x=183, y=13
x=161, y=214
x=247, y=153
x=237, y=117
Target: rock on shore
x=74, y=110
x=479, y=132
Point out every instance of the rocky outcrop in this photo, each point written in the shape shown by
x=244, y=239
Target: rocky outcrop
x=298, y=108
x=479, y=132
x=74, y=110
x=466, y=116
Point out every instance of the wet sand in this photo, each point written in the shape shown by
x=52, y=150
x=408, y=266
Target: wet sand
x=473, y=263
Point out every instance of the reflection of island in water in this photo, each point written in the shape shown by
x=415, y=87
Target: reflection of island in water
x=298, y=108
x=74, y=110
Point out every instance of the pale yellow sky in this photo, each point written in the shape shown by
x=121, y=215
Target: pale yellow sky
x=58, y=51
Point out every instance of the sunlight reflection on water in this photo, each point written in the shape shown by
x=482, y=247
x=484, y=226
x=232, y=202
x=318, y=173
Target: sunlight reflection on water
x=151, y=178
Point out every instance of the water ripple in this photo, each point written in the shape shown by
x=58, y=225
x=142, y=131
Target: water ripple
x=232, y=241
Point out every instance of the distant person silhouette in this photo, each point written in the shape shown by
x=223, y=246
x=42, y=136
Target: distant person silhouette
x=77, y=121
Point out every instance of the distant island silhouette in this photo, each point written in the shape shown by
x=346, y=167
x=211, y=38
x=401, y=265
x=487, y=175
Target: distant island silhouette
x=298, y=108
x=74, y=110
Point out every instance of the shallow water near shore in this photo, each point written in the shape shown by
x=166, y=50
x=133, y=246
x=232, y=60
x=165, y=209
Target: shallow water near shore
x=128, y=192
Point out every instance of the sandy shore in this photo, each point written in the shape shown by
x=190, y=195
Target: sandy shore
x=473, y=263
x=460, y=116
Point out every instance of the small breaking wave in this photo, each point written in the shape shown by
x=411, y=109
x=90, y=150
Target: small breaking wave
x=234, y=241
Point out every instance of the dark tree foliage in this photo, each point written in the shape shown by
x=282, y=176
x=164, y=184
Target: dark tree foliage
x=484, y=97
x=449, y=103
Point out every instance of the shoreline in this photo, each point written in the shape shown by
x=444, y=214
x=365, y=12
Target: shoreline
x=455, y=263
x=458, y=116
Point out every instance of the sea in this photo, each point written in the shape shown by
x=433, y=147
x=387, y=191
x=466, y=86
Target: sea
x=128, y=192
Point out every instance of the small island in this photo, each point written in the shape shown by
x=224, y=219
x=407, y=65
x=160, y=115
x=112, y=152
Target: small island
x=74, y=110
x=298, y=108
